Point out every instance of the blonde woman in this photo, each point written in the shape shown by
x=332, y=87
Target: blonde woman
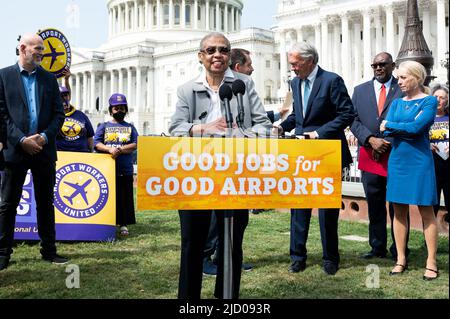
x=411, y=179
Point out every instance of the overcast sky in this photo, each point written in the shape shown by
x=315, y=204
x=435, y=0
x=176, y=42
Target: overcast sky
x=21, y=16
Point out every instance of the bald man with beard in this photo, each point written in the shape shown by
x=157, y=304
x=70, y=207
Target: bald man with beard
x=33, y=111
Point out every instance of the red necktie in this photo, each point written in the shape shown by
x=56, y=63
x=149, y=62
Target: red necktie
x=381, y=99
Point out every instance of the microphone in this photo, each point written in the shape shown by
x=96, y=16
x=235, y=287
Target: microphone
x=238, y=88
x=226, y=95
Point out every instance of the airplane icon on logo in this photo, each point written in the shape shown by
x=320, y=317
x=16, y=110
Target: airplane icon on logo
x=70, y=128
x=54, y=55
x=79, y=190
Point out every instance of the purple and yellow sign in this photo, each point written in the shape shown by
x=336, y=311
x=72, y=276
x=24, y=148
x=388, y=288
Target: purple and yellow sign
x=235, y=173
x=57, y=55
x=84, y=200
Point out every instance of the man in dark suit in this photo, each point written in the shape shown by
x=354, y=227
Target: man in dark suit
x=34, y=113
x=322, y=110
x=371, y=101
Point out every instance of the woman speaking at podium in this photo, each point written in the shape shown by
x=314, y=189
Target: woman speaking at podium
x=199, y=112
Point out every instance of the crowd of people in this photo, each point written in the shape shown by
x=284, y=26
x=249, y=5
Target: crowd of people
x=398, y=127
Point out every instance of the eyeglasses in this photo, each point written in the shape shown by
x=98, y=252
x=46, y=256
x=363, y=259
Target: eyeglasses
x=381, y=65
x=212, y=50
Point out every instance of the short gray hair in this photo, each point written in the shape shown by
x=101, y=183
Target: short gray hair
x=214, y=35
x=306, y=51
x=438, y=87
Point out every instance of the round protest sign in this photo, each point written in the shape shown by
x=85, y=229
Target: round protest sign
x=57, y=55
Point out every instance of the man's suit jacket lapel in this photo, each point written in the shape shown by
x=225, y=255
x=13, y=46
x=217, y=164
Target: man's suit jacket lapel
x=372, y=98
x=393, y=90
x=19, y=84
x=314, y=91
x=297, y=92
x=201, y=102
x=40, y=89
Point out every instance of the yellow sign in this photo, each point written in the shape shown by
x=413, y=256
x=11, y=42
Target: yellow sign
x=84, y=199
x=235, y=173
x=57, y=55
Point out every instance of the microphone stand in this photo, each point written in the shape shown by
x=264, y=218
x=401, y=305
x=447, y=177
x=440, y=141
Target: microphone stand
x=228, y=225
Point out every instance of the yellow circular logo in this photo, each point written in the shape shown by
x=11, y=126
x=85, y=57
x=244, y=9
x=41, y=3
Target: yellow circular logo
x=71, y=128
x=57, y=55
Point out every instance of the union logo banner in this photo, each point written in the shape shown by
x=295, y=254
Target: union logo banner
x=57, y=55
x=85, y=200
x=237, y=173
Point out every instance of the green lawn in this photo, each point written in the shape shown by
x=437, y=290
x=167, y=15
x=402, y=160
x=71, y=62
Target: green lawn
x=146, y=265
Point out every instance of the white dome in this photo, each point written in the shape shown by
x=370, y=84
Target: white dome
x=171, y=20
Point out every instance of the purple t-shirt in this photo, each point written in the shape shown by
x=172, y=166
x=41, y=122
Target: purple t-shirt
x=74, y=133
x=116, y=135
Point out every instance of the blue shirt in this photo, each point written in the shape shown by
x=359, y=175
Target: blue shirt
x=30, y=87
x=116, y=135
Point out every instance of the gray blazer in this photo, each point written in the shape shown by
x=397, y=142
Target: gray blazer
x=194, y=101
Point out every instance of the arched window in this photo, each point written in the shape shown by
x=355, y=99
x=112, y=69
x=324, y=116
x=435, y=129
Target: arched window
x=166, y=14
x=187, y=15
x=177, y=10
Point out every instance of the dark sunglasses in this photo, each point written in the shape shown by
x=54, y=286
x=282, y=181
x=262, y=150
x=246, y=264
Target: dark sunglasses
x=381, y=65
x=212, y=50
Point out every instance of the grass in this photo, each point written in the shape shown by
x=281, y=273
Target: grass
x=146, y=266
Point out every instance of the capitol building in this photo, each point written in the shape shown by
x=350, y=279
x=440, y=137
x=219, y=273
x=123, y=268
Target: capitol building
x=152, y=48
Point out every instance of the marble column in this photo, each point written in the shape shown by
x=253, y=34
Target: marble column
x=139, y=107
x=78, y=90
x=158, y=13
x=112, y=83
x=217, y=16
x=225, y=16
x=150, y=90
x=120, y=80
x=171, y=14
x=207, y=16
x=378, y=32
x=104, y=100
x=196, y=14
x=325, y=52
x=442, y=36
x=110, y=24
x=127, y=17
x=84, y=103
x=317, y=41
x=129, y=86
x=146, y=15
x=336, y=59
x=367, y=45
x=401, y=28
x=141, y=16
x=390, y=30
x=424, y=7
x=283, y=63
x=357, y=51
x=345, y=50
x=135, y=17
x=93, y=93
x=183, y=14
x=114, y=21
